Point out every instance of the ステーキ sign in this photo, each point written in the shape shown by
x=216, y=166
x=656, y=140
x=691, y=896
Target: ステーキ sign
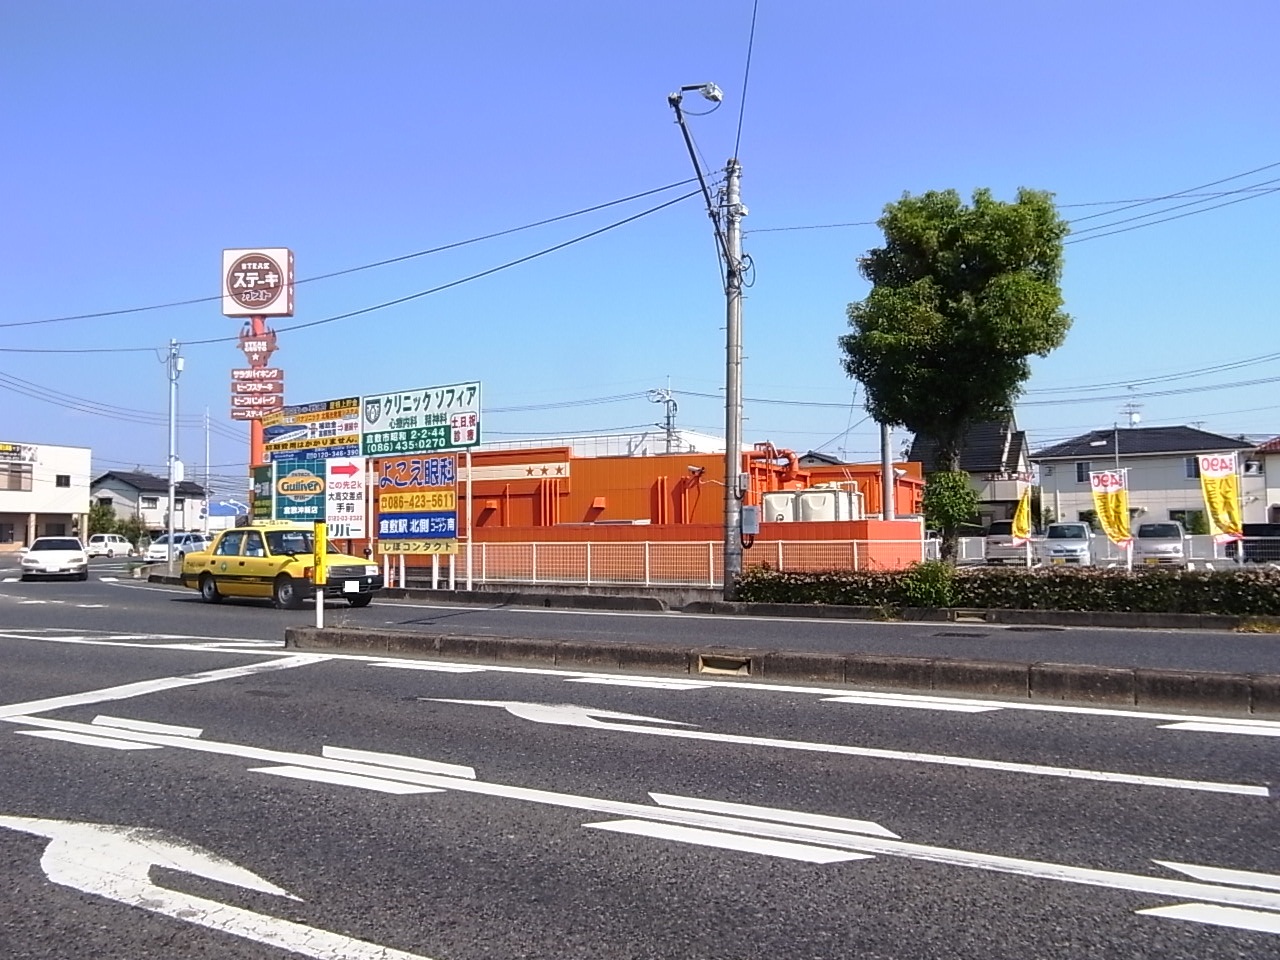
x=257, y=283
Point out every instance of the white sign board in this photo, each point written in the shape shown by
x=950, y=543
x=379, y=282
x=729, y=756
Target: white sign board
x=345, y=498
x=422, y=421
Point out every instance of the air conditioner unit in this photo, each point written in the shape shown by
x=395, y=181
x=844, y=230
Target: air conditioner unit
x=1253, y=468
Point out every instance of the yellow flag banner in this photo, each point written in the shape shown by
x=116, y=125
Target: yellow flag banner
x=1221, y=487
x=1111, y=503
x=1022, y=519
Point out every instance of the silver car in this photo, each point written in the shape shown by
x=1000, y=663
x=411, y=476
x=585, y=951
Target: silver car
x=1069, y=544
x=183, y=543
x=1160, y=544
x=999, y=546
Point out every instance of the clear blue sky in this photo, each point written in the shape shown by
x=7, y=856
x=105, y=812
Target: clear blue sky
x=141, y=138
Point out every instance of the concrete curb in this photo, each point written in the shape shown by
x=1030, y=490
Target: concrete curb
x=1249, y=694
x=494, y=598
x=1057, y=618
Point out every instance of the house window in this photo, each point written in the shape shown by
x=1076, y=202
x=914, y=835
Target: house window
x=1253, y=468
x=15, y=476
x=6, y=533
x=1193, y=521
x=105, y=502
x=149, y=503
x=1082, y=471
x=178, y=503
x=1046, y=470
x=1193, y=468
x=62, y=480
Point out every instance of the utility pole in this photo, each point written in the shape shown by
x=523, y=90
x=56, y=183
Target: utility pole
x=174, y=367
x=888, y=509
x=206, y=471
x=734, y=211
x=669, y=421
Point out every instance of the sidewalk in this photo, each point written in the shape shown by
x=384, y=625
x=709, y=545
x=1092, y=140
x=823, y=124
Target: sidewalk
x=1250, y=694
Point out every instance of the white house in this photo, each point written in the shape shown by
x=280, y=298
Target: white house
x=134, y=493
x=1163, y=472
x=44, y=492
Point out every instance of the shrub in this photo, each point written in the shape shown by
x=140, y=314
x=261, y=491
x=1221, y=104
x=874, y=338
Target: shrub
x=1236, y=592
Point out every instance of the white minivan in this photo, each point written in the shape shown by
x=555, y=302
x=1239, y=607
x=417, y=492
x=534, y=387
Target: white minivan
x=109, y=545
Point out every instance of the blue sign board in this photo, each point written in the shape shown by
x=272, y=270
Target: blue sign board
x=299, y=490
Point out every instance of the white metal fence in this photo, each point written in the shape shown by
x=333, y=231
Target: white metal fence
x=701, y=563
x=683, y=564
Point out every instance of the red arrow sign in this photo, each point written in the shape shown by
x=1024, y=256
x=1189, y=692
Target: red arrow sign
x=349, y=469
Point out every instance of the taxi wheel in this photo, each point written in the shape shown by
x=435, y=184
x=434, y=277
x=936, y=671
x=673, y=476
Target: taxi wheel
x=360, y=601
x=209, y=589
x=285, y=594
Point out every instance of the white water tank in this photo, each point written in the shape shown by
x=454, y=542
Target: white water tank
x=778, y=507
x=828, y=502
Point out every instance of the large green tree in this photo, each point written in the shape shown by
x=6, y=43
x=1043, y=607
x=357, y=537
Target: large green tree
x=961, y=296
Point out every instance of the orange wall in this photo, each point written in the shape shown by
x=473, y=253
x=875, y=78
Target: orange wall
x=548, y=487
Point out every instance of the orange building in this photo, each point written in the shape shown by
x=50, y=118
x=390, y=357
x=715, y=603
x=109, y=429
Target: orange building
x=548, y=496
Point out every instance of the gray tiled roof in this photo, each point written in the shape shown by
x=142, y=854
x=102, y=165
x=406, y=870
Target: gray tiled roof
x=1139, y=441
x=145, y=482
x=991, y=447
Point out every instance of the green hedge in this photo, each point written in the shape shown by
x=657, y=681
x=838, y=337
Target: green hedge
x=1235, y=592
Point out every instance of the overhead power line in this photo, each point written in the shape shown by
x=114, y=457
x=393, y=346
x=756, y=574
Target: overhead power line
x=365, y=266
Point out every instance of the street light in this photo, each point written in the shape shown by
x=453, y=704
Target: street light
x=729, y=243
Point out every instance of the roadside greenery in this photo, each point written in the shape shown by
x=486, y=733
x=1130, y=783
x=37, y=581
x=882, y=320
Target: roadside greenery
x=1235, y=592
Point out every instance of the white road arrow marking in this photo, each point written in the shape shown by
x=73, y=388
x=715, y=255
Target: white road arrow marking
x=785, y=827
x=115, y=862
x=574, y=716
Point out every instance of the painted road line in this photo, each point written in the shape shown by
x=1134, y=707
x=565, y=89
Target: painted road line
x=1181, y=890
x=1250, y=730
x=433, y=667
x=144, y=687
x=124, y=723
x=116, y=863
x=872, y=700
x=574, y=716
x=648, y=683
x=1256, y=920
x=1236, y=878
x=345, y=779
x=88, y=740
x=772, y=813
x=399, y=762
x=729, y=841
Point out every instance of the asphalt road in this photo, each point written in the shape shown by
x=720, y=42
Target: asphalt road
x=460, y=811
x=163, y=608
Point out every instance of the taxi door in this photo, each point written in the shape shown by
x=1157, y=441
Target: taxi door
x=260, y=568
x=226, y=565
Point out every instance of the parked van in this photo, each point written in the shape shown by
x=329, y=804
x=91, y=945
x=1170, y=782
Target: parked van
x=999, y=546
x=1067, y=543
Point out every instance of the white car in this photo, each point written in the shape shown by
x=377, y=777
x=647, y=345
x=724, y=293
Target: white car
x=55, y=557
x=109, y=545
x=183, y=543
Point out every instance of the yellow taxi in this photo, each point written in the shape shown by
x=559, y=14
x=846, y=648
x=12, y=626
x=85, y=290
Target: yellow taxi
x=276, y=561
